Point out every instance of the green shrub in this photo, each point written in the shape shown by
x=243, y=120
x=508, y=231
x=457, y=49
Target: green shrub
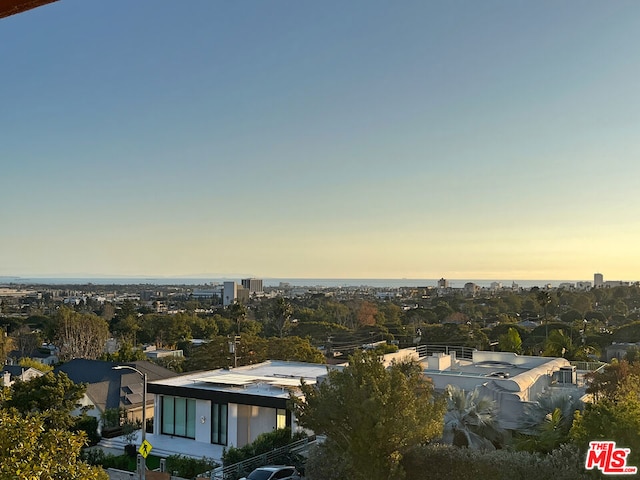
x=263, y=443
x=96, y=456
x=186, y=467
x=444, y=461
x=88, y=424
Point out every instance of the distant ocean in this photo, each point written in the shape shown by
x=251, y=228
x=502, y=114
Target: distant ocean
x=275, y=282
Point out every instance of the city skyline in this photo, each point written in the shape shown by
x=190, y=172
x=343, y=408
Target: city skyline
x=479, y=140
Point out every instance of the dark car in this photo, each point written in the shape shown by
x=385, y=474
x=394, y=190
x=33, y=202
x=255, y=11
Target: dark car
x=274, y=472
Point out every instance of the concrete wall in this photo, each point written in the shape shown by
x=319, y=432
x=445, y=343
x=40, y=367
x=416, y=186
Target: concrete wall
x=115, y=474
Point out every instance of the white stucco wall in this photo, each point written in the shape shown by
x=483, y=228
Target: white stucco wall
x=203, y=421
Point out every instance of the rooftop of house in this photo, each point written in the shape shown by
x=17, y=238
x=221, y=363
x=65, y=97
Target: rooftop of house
x=109, y=388
x=272, y=378
x=510, y=371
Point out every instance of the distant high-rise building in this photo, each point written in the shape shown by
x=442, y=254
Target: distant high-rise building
x=229, y=293
x=254, y=285
x=598, y=280
x=442, y=283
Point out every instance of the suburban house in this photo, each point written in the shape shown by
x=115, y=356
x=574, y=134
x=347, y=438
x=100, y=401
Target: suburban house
x=620, y=350
x=154, y=353
x=112, y=389
x=511, y=380
x=200, y=414
x=11, y=373
x=46, y=354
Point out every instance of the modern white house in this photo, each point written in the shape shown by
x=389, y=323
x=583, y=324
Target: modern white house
x=509, y=379
x=201, y=413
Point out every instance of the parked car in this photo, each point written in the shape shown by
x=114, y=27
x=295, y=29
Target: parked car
x=274, y=472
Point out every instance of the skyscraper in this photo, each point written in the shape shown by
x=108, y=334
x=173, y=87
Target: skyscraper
x=598, y=280
x=254, y=285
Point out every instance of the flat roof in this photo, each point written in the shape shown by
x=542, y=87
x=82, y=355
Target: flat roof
x=493, y=369
x=274, y=378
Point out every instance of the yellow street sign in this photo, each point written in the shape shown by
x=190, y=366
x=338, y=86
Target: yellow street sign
x=145, y=449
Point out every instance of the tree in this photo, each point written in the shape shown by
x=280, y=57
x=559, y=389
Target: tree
x=471, y=420
x=249, y=350
x=126, y=353
x=366, y=314
x=546, y=422
x=238, y=313
x=53, y=396
x=25, y=340
x=604, y=384
x=217, y=353
x=29, y=451
x=559, y=344
x=278, y=318
x=126, y=328
x=293, y=349
x=6, y=345
x=27, y=362
x=510, y=341
x=80, y=335
x=544, y=299
x=371, y=415
x=613, y=418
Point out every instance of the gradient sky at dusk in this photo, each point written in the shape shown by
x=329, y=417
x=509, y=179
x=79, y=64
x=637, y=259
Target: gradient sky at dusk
x=355, y=139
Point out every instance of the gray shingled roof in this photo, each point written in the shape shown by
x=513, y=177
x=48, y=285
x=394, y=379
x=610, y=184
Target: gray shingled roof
x=108, y=388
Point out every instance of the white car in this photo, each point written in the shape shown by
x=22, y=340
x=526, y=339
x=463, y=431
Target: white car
x=273, y=472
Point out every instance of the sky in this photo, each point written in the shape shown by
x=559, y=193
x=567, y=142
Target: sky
x=321, y=139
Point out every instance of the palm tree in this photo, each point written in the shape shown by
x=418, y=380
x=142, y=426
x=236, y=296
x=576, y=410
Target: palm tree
x=559, y=344
x=546, y=422
x=470, y=420
x=544, y=299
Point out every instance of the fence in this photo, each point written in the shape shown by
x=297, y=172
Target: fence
x=236, y=470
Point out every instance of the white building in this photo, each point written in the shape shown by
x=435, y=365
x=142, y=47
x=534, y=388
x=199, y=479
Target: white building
x=199, y=414
x=583, y=285
x=229, y=293
x=509, y=379
x=598, y=280
x=254, y=285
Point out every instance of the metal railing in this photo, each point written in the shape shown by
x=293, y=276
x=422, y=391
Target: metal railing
x=236, y=470
x=588, y=366
x=461, y=351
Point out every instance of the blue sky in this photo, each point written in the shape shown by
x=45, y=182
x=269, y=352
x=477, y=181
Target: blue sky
x=360, y=139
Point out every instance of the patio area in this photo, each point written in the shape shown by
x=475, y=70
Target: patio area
x=165, y=446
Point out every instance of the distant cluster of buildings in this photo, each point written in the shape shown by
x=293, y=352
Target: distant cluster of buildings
x=232, y=292
x=471, y=288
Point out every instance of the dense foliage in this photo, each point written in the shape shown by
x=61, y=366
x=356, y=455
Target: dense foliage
x=370, y=414
x=54, y=396
x=30, y=451
x=435, y=462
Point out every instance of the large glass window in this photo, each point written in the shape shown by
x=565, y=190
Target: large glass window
x=179, y=416
x=167, y=415
x=219, y=423
x=281, y=418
